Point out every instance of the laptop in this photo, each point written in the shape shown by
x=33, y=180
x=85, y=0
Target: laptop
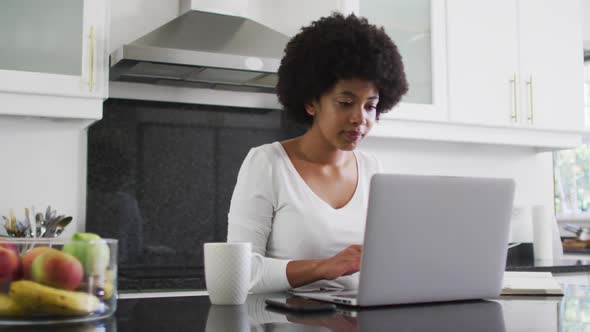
x=431, y=239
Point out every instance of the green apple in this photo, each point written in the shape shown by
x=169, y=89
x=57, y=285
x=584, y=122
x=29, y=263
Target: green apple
x=91, y=251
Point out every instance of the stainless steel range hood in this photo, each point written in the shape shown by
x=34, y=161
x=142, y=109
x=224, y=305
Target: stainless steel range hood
x=204, y=50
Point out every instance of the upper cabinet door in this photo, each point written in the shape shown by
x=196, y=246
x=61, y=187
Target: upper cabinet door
x=54, y=47
x=516, y=63
x=483, y=61
x=418, y=29
x=552, y=64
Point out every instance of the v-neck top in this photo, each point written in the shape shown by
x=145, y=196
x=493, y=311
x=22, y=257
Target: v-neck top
x=305, y=186
x=273, y=208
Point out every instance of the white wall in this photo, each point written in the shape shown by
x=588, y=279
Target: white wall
x=586, y=23
x=131, y=19
x=272, y=13
x=42, y=162
x=533, y=172
x=286, y=16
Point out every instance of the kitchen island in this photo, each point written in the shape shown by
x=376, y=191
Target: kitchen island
x=178, y=312
x=176, y=302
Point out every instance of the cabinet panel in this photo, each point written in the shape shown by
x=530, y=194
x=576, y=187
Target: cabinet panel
x=482, y=61
x=53, y=44
x=551, y=55
x=418, y=29
x=407, y=22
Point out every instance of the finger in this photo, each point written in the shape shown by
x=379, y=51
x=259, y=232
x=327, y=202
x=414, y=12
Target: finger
x=353, y=255
x=352, y=266
x=349, y=258
x=356, y=247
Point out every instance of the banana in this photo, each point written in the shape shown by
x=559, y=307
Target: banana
x=108, y=290
x=9, y=307
x=47, y=300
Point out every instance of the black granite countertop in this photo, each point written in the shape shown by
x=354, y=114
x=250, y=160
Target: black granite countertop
x=195, y=313
x=159, y=279
x=562, y=265
x=521, y=258
x=580, y=251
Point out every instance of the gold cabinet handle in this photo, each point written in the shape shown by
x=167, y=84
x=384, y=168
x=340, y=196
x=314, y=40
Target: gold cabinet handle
x=514, y=82
x=91, y=60
x=531, y=117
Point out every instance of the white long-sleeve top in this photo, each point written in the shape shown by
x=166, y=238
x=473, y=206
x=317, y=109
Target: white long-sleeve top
x=273, y=208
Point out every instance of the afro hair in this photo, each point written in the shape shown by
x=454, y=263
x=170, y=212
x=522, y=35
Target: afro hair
x=335, y=48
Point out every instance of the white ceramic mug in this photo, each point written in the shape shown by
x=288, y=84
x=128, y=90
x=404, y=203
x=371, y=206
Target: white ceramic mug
x=227, y=271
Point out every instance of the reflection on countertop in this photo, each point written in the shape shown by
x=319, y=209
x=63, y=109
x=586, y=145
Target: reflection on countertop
x=254, y=315
x=195, y=313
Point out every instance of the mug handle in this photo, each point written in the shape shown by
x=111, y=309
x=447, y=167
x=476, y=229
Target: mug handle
x=256, y=261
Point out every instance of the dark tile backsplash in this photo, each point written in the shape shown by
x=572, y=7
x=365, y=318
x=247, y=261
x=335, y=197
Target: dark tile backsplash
x=160, y=179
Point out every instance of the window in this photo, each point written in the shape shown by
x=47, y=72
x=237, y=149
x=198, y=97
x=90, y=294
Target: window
x=572, y=169
x=587, y=91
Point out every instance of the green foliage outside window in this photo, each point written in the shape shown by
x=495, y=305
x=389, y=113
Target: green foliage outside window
x=571, y=168
x=572, y=180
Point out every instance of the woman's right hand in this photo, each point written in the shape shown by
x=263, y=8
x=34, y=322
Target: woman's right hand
x=344, y=263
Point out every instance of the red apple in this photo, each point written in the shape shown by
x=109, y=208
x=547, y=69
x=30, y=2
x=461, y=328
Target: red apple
x=9, y=266
x=11, y=246
x=28, y=257
x=57, y=269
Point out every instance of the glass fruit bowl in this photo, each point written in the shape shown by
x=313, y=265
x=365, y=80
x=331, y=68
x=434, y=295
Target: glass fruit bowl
x=49, y=280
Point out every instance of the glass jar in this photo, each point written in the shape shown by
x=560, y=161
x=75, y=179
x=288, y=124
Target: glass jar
x=49, y=280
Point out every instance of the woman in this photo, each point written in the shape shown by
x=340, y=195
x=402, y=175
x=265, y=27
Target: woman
x=302, y=202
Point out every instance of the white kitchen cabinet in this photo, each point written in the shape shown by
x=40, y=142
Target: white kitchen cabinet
x=482, y=56
x=551, y=64
x=53, y=48
x=496, y=47
x=417, y=27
